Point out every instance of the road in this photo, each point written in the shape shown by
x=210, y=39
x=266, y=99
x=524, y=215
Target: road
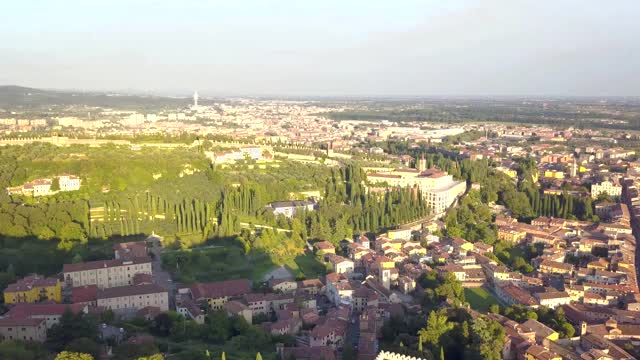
x=161, y=276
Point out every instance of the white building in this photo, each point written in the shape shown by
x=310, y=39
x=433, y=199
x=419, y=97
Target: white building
x=289, y=208
x=439, y=199
x=105, y=273
x=133, y=298
x=69, y=183
x=438, y=188
x=612, y=188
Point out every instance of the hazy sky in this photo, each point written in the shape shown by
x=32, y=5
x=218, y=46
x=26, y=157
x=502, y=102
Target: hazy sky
x=342, y=47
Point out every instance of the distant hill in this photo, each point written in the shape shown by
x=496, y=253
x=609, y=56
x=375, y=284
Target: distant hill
x=13, y=96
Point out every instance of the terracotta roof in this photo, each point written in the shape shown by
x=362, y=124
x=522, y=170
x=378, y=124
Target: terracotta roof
x=134, y=249
x=29, y=310
x=234, y=307
x=324, y=245
x=310, y=283
x=220, y=289
x=29, y=282
x=92, y=265
x=382, y=175
x=150, y=311
x=552, y=295
x=539, y=328
x=88, y=293
x=192, y=307
x=9, y=321
x=130, y=290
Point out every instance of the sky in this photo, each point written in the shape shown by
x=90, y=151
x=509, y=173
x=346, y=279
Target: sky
x=324, y=48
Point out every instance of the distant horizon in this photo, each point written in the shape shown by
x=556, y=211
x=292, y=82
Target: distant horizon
x=206, y=94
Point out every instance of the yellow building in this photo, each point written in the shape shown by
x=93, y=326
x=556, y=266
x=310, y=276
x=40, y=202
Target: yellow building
x=511, y=234
x=399, y=234
x=385, y=263
x=33, y=289
x=554, y=174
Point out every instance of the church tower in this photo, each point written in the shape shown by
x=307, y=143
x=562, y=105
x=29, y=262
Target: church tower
x=422, y=163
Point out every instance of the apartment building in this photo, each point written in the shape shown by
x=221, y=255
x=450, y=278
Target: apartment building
x=24, y=329
x=69, y=182
x=132, y=298
x=29, y=322
x=33, y=289
x=216, y=294
x=50, y=313
x=106, y=273
x=612, y=188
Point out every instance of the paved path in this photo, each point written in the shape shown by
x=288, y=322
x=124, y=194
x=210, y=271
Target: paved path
x=278, y=273
x=161, y=276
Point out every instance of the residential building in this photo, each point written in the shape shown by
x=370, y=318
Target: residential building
x=130, y=298
x=33, y=289
x=130, y=250
x=289, y=208
x=29, y=322
x=610, y=187
x=283, y=285
x=554, y=267
x=69, y=182
x=511, y=234
x=553, y=299
x=106, y=273
x=216, y=294
x=191, y=310
x=324, y=247
x=341, y=265
x=24, y=329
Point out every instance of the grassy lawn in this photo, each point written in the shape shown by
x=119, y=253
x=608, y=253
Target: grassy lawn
x=307, y=265
x=479, y=298
x=217, y=264
x=228, y=261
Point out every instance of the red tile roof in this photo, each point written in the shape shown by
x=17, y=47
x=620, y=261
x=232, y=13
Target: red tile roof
x=229, y=288
x=9, y=321
x=141, y=278
x=82, y=294
x=29, y=310
x=130, y=290
x=92, y=265
x=29, y=282
x=128, y=250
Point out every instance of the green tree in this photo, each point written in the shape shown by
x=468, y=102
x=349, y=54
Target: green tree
x=71, y=327
x=84, y=345
x=437, y=325
x=55, y=184
x=487, y=338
